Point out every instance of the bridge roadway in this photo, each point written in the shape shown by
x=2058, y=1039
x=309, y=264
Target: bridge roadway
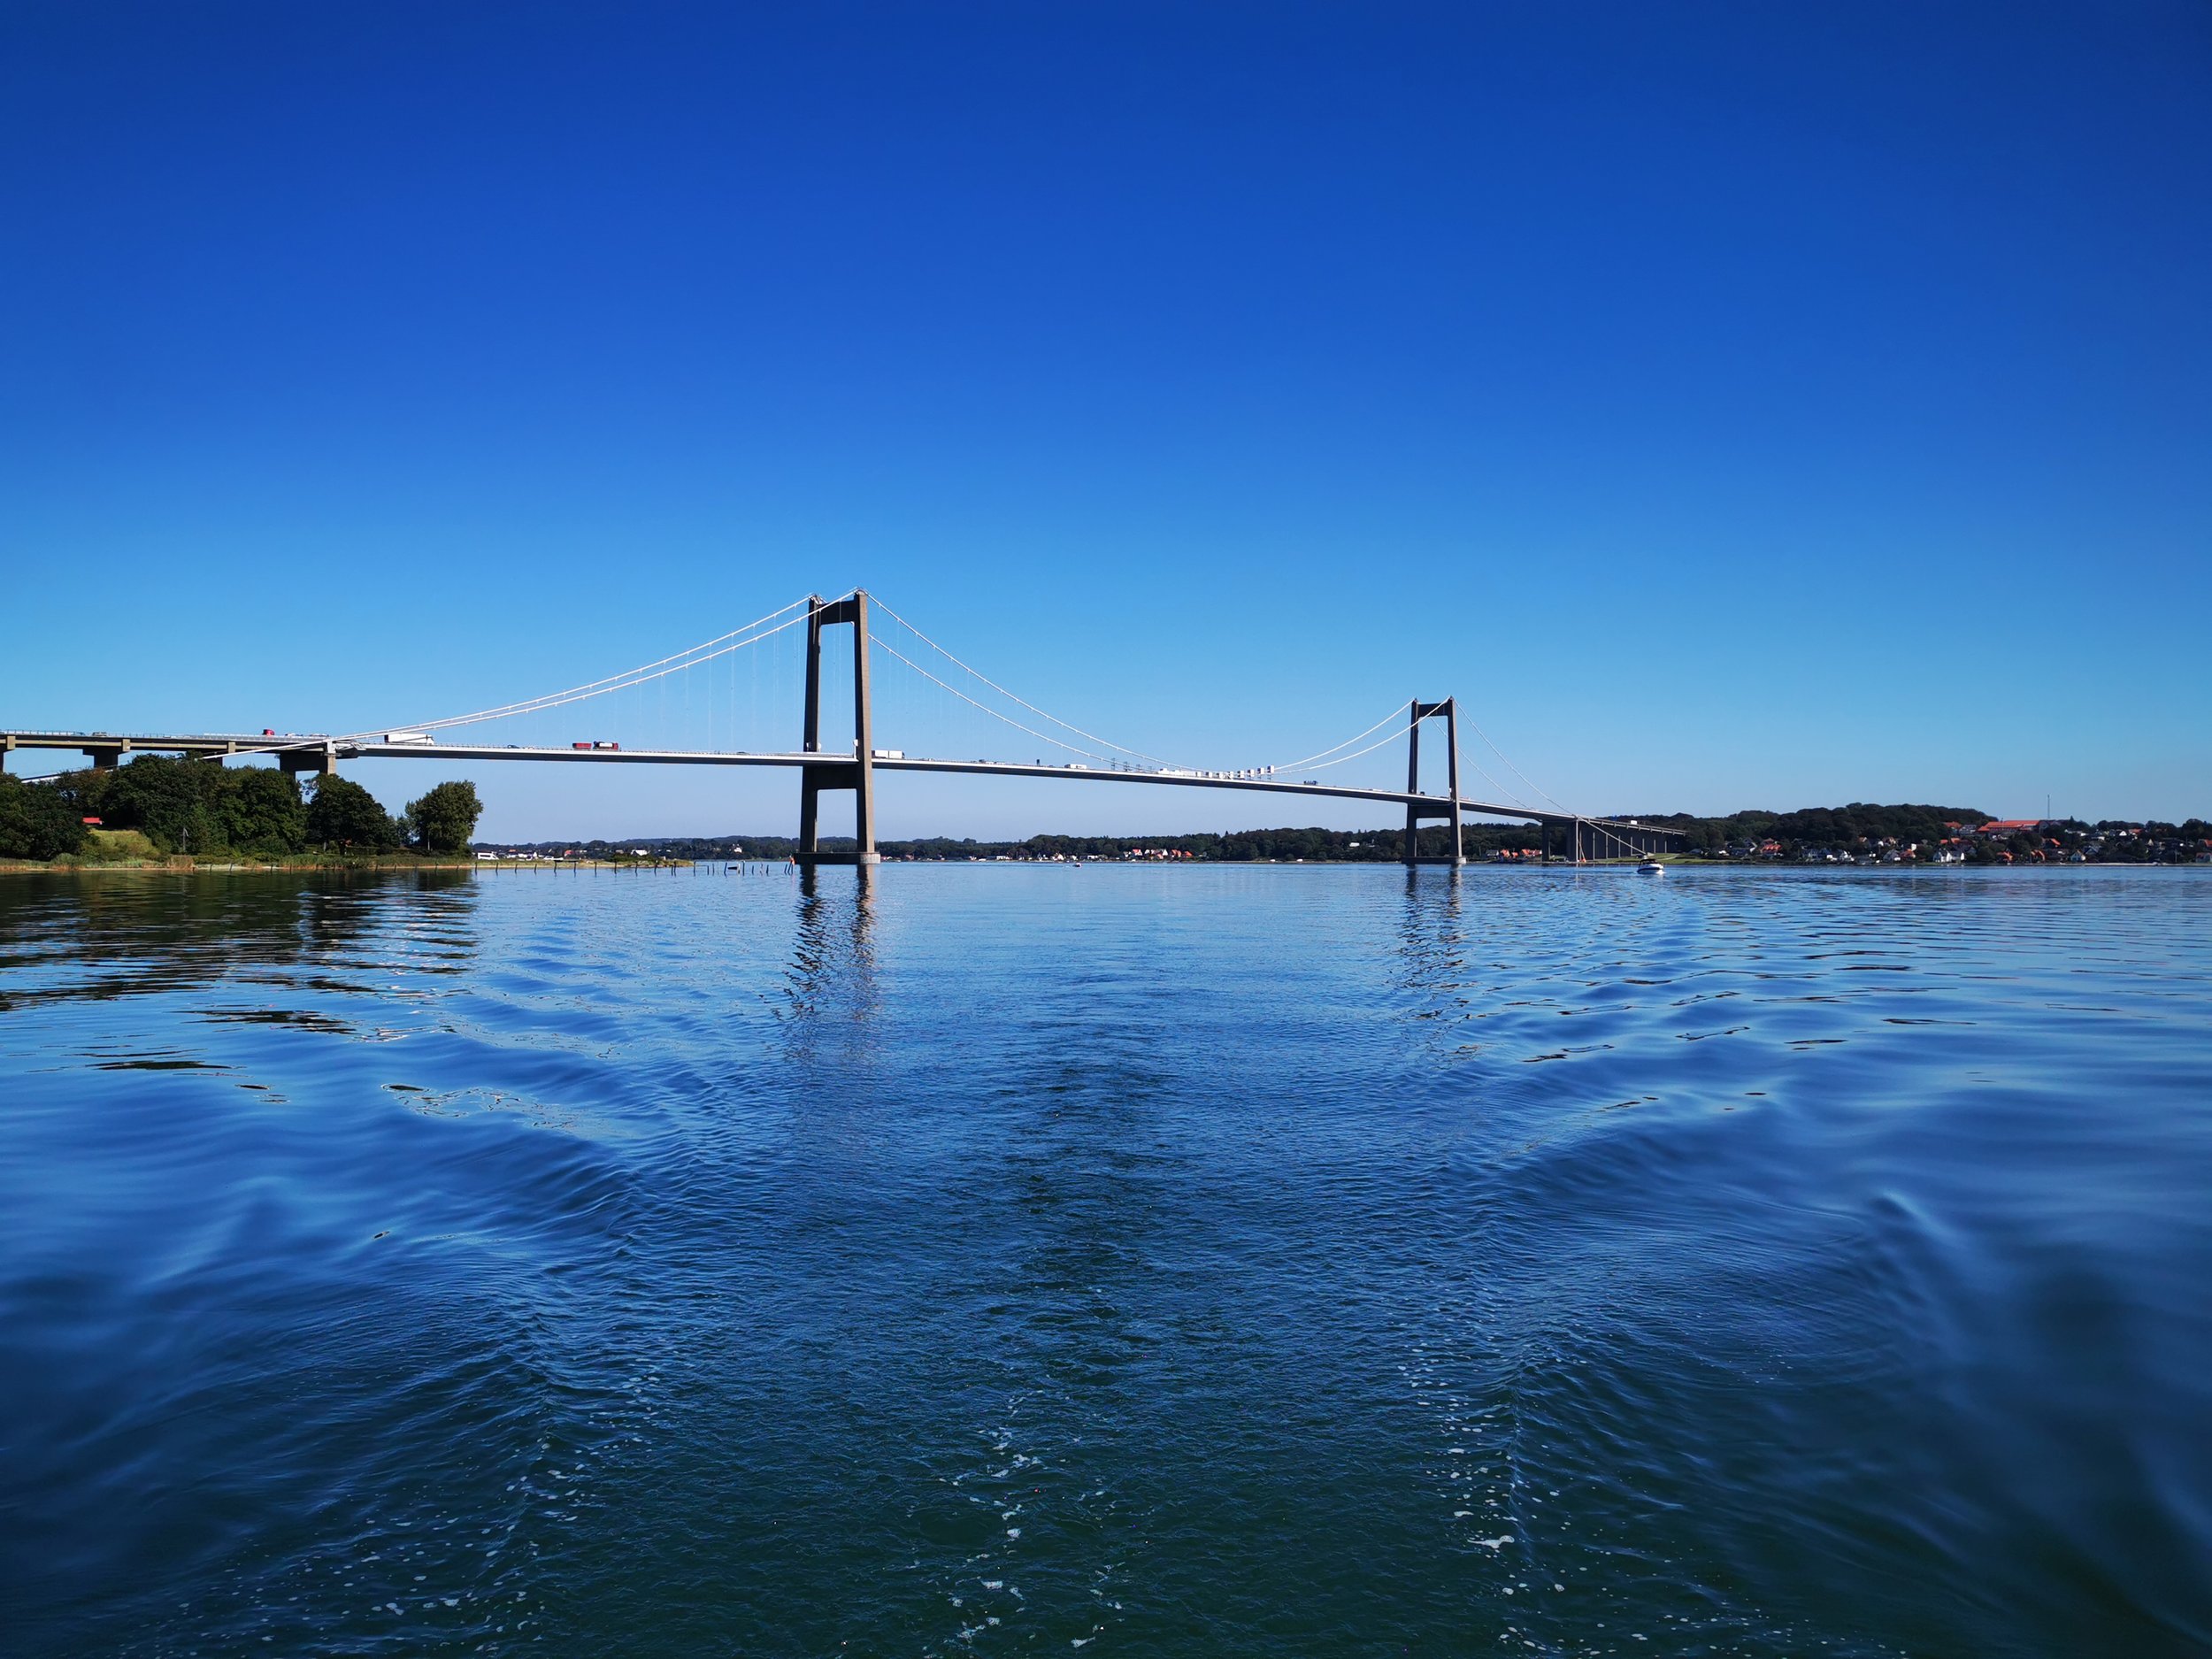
x=302, y=753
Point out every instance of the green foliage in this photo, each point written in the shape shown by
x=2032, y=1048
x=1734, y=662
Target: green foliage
x=206, y=809
x=175, y=804
x=1314, y=846
x=343, y=814
x=262, y=812
x=115, y=846
x=37, y=820
x=1859, y=825
x=444, y=819
x=195, y=806
x=84, y=790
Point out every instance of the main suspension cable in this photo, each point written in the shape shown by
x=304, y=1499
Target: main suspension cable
x=1044, y=737
x=1293, y=765
x=1516, y=771
x=1010, y=696
x=1378, y=743
x=640, y=675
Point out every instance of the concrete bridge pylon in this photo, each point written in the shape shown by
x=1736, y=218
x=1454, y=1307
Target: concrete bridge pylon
x=1449, y=711
x=857, y=775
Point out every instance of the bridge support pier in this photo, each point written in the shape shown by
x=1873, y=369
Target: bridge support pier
x=858, y=774
x=106, y=758
x=1450, y=710
x=322, y=759
x=1580, y=840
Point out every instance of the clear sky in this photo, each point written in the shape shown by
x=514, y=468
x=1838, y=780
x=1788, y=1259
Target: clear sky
x=1733, y=405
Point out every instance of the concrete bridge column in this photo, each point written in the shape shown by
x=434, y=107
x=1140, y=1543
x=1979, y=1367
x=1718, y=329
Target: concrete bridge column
x=1414, y=811
x=1413, y=785
x=1451, y=750
x=858, y=775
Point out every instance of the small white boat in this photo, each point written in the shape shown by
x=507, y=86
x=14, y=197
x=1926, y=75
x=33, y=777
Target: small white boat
x=1651, y=867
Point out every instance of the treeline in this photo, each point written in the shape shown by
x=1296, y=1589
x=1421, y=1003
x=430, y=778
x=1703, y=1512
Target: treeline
x=1862, y=828
x=1862, y=822
x=1315, y=846
x=191, y=806
x=203, y=808
x=1866, y=828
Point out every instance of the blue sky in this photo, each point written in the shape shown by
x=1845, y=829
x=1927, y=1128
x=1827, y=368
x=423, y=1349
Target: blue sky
x=1732, y=405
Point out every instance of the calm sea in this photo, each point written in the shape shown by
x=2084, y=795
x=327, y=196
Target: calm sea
x=1172, y=1261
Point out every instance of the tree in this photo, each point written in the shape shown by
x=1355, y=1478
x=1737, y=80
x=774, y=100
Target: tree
x=174, y=802
x=84, y=790
x=262, y=812
x=444, y=820
x=343, y=814
x=36, y=820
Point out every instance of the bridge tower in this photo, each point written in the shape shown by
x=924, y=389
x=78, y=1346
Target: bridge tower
x=857, y=775
x=1450, y=710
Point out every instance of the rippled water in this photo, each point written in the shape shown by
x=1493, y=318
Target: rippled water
x=1197, y=1261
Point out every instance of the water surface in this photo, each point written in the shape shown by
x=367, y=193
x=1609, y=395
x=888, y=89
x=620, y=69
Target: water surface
x=1191, y=1260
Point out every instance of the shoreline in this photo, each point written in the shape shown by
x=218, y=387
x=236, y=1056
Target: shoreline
x=186, y=865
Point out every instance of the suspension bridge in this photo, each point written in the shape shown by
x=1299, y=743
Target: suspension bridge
x=852, y=766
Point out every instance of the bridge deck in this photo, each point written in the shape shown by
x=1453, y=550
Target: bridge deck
x=215, y=745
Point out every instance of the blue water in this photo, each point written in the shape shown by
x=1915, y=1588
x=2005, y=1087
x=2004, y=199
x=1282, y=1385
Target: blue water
x=1122, y=1261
